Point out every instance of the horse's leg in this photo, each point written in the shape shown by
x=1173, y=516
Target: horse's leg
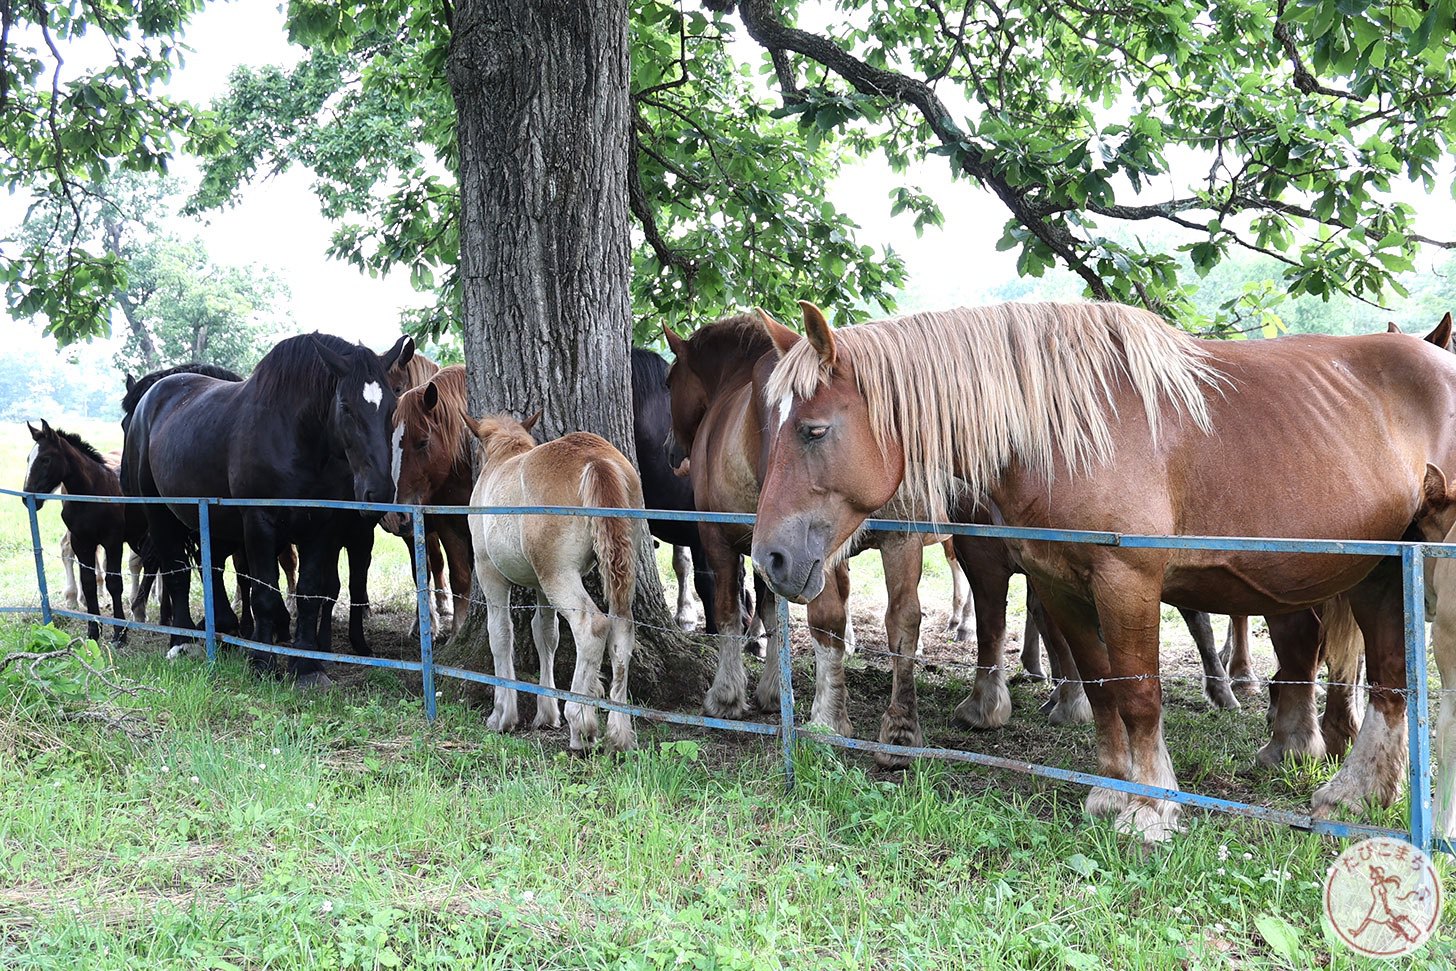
x=753, y=610
x=1128, y=609
x=1215, y=678
x=455, y=539
x=962, y=613
x=86, y=557
x=360, y=545
x=826, y=626
x=706, y=587
x=1077, y=622
x=501, y=629
x=842, y=577
x=546, y=632
x=989, y=703
x=114, y=588
x=288, y=564
x=766, y=695
x=1069, y=704
x=224, y=616
x=1031, y=644
x=141, y=586
x=68, y=568
x=621, y=639
x=728, y=695
x=435, y=560
x=270, y=616
x=1443, y=646
x=1375, y=765
x=1296, y=639
x=1238, y=660
x=904, y=561
x=245, y=594
x=329, y=599
x=682, y=568
x=589, y=628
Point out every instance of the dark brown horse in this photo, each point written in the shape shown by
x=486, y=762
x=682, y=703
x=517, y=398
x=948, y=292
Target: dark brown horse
x=1101, y=417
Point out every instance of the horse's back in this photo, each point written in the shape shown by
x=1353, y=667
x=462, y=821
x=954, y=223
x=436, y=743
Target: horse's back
x=178, y=439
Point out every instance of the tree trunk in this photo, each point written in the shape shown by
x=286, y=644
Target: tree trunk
x=540, y=91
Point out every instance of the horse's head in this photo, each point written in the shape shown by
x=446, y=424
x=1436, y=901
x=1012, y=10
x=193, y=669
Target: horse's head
x=47, y=464
x=687, y=400
x=402, y=377
x=361, y=415
x=826, y=473
x=433, y=431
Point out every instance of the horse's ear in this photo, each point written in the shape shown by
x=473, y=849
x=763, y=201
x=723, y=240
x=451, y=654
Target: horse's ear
x=821, y=335
x=46, y=429
x=1435, y=491
x=399, y=355
x=1392, y=328
x=130, y=383
x=431, y=396
x=1441, y=336
x=530, y=423
x=336, y=362
x=677, y=344
x=35, y=433
x=783, y=338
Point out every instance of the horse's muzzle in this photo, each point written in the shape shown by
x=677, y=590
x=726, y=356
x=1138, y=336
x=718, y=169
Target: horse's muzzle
x=395, y=522
x=792, y=564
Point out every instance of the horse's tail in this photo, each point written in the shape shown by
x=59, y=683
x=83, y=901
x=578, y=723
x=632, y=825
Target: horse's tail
x=605, y=484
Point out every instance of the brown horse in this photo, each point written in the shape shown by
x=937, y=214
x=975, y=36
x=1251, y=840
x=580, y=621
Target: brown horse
x=1097, y=416
x=413, y=371
x=434, y=469
x=716, y=387
x=551, y=554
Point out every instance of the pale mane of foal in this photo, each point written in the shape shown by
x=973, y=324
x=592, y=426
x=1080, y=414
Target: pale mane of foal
x=966, y=391
x=448, y=422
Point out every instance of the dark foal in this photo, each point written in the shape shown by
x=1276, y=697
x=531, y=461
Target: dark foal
x=64, y=459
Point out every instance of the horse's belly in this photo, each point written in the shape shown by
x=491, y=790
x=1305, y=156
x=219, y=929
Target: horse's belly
x=1260, y=583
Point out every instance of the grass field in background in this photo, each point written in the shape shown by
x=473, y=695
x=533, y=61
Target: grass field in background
x=243, y=824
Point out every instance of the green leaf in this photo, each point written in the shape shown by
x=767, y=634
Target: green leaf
x=1280, y=936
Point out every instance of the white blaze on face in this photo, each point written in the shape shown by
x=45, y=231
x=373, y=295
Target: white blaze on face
x=785, y=403
x=396, y=457
x=373, y=394
x=34, y=451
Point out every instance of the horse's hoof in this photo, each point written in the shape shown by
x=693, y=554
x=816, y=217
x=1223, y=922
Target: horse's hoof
x=988, y=706
x=757, y=648
x=314, y=681
x=1102, y=802
x=897, y=731
x=1220, y=694
x=1149, y=820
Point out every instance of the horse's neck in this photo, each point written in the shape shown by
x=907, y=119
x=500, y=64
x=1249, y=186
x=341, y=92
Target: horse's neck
x=84, y=476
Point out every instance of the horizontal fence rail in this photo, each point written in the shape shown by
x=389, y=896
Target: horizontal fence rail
x=1411, y=556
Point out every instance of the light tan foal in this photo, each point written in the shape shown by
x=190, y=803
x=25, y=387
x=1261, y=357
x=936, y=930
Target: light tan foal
x=551, y=554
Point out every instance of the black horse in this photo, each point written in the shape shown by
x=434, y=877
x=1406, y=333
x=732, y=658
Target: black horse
x=313, y=421
x=65, y=459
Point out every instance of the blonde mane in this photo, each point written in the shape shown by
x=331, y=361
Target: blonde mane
x=449, y=421
x=501, y=437
x=967, y=391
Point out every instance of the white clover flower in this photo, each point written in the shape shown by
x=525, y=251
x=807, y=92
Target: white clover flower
x=327, y=907
x=194, y=780
x=528, y=896
x=1223, y=853
x=166, y=767
x=1248, y=856
x=275, y=751
x=262, y=765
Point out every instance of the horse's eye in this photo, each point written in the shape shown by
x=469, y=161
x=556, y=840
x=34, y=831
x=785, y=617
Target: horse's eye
x=812, y=433
x=422, y=445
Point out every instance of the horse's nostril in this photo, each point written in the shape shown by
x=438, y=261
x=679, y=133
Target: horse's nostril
x=776, y=563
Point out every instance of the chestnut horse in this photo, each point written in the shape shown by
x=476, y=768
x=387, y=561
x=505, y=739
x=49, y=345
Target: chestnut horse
x=1436, y=523
x=551, y=554
x=434, y=434
x=716, y=387
x=1102, y=417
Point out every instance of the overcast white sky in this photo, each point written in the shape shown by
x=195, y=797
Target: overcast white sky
x=277, y=222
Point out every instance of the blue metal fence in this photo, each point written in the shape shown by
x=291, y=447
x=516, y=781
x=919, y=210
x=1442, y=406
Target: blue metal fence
x=1411, y=555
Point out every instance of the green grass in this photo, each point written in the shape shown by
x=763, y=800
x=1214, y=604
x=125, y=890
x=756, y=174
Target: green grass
x=258, y=827
x=255, y=826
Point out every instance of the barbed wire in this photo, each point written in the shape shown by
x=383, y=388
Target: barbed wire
x=344, y=601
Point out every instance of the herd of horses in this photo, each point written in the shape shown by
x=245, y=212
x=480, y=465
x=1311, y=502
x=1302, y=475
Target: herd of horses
x=1082, y=416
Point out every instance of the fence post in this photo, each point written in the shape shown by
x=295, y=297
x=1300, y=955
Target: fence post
x=40, y=577
x=209, y=605
x=422, y=594
x=786, y=693
x=1417, y=701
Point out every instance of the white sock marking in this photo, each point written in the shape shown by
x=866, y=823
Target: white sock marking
x=373, y=394
x=396, y=458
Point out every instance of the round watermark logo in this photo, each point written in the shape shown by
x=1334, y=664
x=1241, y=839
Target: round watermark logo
x=1383, y=897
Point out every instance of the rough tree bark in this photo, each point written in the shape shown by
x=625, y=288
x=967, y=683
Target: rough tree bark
x=541, y=94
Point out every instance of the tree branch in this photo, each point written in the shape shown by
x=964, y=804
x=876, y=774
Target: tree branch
x=764, y=26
